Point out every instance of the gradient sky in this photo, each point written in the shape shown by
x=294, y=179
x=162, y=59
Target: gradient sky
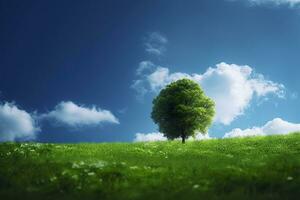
x=87, y=52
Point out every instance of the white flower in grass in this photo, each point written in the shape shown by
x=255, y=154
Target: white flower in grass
x=195, y=186
x=134, y=167
x=54, y=178
x=99, y=164
x=123, y=163
x=147, y=167
x=91, y=173
x=64, y=172
x=81, y=163
x=75, y=166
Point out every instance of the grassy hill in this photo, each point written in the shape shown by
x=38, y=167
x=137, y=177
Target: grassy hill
x=240, y=168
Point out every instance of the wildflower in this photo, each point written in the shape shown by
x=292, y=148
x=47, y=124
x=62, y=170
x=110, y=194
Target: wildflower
x=147, y=167
x=81, y=163
x=134, y=167
x=75, y=165
x=123, y=163
x=91, y=173
x=195, y=186
x=99, y=164
x=54, y=178
x=289, y=178
x=64, y=172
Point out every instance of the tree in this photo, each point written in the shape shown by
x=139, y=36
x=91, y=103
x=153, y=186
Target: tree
x=181, y=109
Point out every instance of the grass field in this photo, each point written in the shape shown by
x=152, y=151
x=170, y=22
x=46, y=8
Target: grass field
x=245, y=168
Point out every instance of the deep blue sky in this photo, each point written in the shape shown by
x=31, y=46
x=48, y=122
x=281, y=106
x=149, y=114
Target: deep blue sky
x=87, y=52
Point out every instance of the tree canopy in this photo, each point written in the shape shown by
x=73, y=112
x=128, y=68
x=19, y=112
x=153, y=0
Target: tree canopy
x=181, y=109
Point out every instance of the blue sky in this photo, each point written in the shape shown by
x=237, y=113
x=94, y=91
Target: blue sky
x=74, y=71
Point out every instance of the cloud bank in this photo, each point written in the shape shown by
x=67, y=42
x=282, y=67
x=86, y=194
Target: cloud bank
x=273, y=127
x=276, y=126
x=291, y=3
x=231, y=86
x=156, y=136
x=16, y=124
x=155, y=43
x=149, y=137
x=69, y=114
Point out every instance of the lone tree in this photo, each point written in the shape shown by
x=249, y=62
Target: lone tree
x=181, y=109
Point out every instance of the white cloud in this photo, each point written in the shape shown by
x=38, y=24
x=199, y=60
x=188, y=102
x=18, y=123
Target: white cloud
x=277, y=2
x=155, y=43
x=149, y=137
x=200, y=136
x=70, y=114
x=231, y=86
x=156, y=136
x=276, y=126
x=16, y=123
x=144, y=66
x=139, y=87
x=290, y=3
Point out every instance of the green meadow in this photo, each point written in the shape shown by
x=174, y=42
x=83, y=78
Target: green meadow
x=238, y=168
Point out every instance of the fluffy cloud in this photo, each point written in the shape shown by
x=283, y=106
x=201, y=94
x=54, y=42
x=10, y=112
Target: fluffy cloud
x=276, y=126
x=200, y=136
x=155, y=43
x=291, y=3
x=231, y=86
x=277, y=2
x=70, y=114
x=156, y=136
x=16, y=123
x=149, y=137
x=144, y=66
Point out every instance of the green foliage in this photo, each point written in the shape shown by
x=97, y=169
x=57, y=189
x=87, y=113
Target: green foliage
x=240, y=168
x=182, y=109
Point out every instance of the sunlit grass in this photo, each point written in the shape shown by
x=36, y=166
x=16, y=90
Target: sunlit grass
x=240, y=168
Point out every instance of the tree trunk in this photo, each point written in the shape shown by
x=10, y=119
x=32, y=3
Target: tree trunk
x=182, y=136
x=183, y=139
